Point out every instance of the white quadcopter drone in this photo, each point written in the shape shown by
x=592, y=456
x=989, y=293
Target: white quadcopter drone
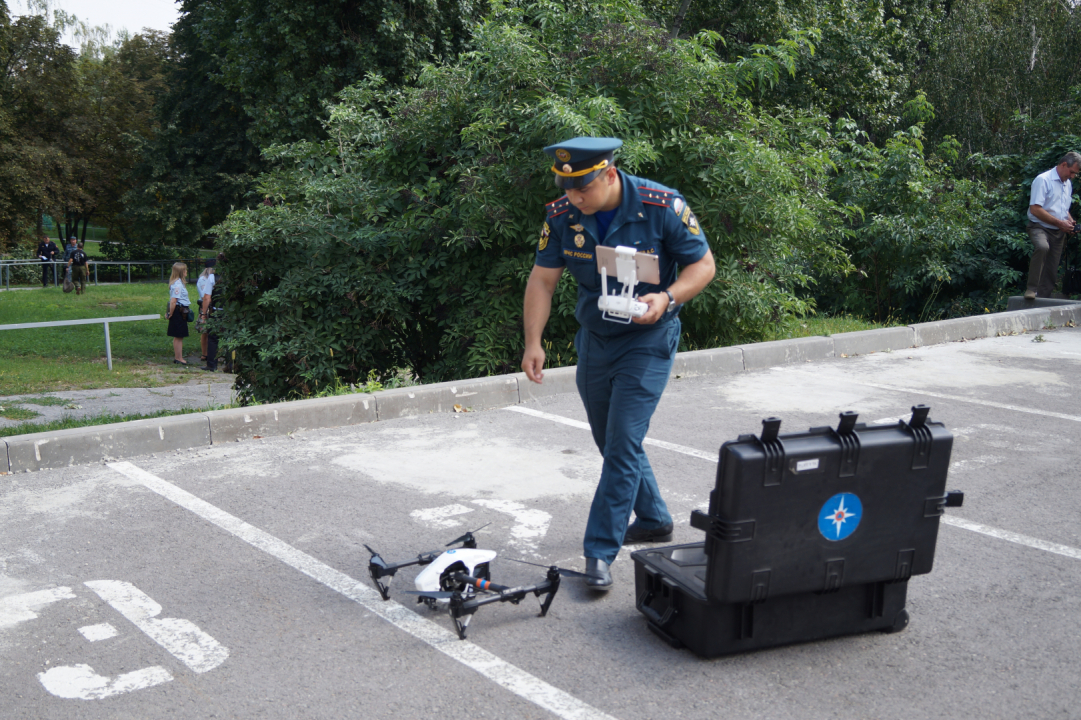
x=459, y=580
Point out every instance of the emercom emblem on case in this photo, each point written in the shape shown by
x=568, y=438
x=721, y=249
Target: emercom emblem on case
x=840, y=516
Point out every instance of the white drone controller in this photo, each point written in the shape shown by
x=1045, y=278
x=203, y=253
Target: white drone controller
x=630, y=266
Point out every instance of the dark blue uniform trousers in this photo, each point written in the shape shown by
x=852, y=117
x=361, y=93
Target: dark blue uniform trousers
x=620, y=380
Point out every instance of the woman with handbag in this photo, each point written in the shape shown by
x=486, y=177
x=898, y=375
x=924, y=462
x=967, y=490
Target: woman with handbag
x=179, y=312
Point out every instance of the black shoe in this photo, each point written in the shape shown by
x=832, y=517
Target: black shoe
x=600, y=578
x=636, y=534
x=209, y=369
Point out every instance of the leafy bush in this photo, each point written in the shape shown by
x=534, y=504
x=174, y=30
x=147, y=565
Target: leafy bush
x=405, y=239
x=925, y=243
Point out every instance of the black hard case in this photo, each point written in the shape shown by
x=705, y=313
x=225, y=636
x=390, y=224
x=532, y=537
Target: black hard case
x=763, y=547
x=670, y=585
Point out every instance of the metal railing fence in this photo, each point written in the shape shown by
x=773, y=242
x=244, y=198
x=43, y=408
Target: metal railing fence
x=59, y=267
x=88, y=321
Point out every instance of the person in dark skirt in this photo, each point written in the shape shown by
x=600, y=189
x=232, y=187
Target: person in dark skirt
x=179, y=303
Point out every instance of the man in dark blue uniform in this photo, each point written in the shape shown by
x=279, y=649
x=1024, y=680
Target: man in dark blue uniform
x=622, y=368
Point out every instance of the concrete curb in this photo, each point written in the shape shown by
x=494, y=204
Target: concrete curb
x=283, y=418
x=783, y=352
x=62, y=448
x=478, y=394
x=869, y=341
x=78, y=446
x=718, y=361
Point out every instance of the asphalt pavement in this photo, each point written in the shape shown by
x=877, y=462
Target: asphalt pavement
x=230, y=581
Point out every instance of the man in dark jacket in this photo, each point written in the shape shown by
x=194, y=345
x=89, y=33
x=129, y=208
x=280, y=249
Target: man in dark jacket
x=623, y=362
x=78, y=264
x=47, y=252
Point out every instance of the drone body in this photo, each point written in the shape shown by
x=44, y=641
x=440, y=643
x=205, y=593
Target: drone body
x=460, y=581
x=439, y=574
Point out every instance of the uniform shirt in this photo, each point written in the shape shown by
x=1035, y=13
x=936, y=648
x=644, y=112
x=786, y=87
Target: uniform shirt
x=180, y=293
x=204, y=286
x=1052, y=194
x=651, y=218
x=69, y=252
x=47, y=250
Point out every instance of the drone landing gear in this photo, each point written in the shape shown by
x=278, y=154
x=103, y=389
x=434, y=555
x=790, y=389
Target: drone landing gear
x=462, y=606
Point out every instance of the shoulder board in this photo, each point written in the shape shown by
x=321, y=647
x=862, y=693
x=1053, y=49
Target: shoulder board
x=654, y=196
x=558, y=207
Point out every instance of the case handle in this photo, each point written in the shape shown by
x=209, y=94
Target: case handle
x=642, y=602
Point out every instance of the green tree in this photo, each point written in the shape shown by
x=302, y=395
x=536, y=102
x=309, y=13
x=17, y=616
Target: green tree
x=995, y=67
x=861, y=64
x=286, y=59
x=404, y=239
x=248, y=74
x=65, y=119
x=39, y=103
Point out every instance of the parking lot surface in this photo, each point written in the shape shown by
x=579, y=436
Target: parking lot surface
x=231, y=582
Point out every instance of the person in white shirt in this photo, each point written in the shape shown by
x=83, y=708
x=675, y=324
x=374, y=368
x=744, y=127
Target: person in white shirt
x=179, y=304
x=205, y=285
x=1049, y=221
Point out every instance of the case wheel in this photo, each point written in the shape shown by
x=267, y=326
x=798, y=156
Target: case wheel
x=899, y=623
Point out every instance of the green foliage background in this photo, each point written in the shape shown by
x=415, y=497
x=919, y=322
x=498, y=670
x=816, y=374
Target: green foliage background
x=372, y=172
x=404, y=240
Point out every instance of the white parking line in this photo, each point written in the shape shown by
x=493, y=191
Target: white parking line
x=949, y=520
x=712, y=457
x=1013, y=537
x=509, y=676
x=961, y=398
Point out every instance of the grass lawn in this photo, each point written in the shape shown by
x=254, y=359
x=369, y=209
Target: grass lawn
x=822, y=326
x=73, y=358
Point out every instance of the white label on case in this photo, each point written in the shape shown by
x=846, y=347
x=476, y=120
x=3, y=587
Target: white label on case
x=807, y=465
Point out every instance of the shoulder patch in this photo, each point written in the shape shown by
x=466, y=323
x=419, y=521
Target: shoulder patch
x=690, y=221
x=543, y=242
x=558, y=207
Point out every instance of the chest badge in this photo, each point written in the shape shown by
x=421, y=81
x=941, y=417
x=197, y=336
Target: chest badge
x=579, y=240
x=578, y=228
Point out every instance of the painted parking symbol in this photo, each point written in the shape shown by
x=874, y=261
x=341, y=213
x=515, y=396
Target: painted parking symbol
x=181, y=638
x=530, y=524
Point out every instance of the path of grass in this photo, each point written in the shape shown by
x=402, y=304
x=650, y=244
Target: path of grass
x=102, y=419
x=823, y=326
x=73, y=358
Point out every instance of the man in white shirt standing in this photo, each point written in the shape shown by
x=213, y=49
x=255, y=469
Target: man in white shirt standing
x=205, y=285
x=1049, y=221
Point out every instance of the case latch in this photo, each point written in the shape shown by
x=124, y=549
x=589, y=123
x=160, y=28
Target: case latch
x=774, y=451
x=850, y=444
x=921, y=435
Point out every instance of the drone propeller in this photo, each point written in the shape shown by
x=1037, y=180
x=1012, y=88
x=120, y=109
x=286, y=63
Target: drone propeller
x=468, y=540
x=562, y=571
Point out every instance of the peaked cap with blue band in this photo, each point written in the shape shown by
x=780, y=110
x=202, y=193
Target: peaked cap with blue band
x=578, y=161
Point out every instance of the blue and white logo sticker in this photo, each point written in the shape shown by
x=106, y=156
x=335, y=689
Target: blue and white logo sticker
x=840, y=516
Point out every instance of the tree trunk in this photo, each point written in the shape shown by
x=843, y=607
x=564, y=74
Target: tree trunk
x=677, y=21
